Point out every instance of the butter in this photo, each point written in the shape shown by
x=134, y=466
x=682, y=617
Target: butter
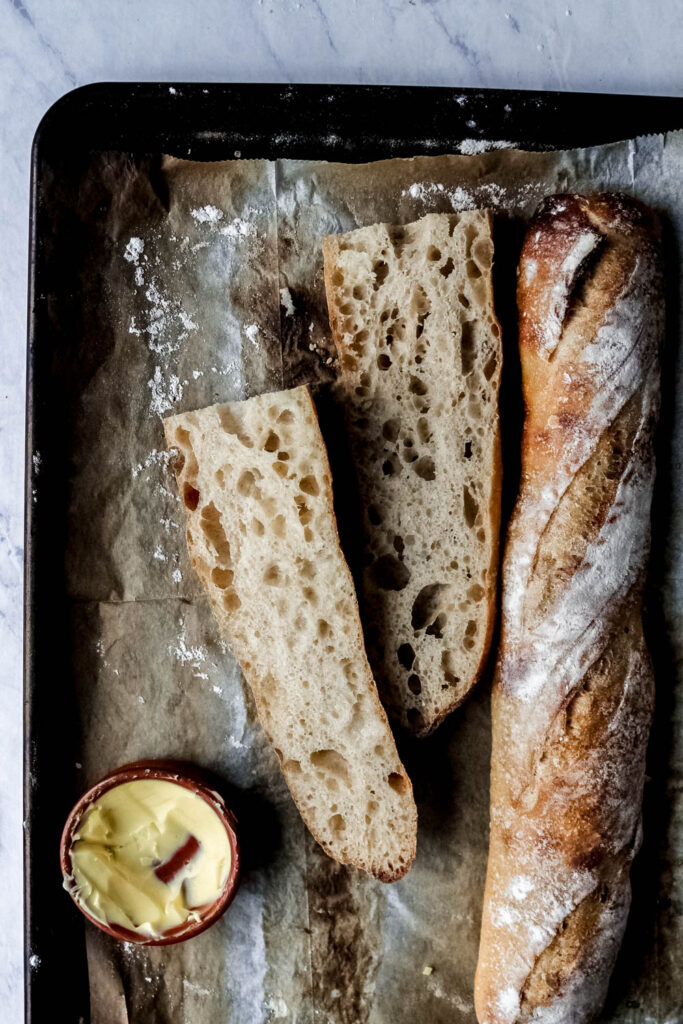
x=147, y=855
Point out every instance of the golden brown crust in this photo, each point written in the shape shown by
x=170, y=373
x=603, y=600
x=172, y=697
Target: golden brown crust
x=573, y=694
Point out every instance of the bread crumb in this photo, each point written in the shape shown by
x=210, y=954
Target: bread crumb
x=427, y=970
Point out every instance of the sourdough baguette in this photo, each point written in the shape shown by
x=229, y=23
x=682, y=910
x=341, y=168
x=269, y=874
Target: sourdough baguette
x=411, y=311
x=262, y=536
x=573, y=693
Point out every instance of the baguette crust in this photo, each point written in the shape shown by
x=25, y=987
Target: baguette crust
x=313, y=688
x=573, y=694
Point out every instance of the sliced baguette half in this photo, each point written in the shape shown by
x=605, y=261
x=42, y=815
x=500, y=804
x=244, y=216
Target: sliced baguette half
x=255, y=481
x=411, y=311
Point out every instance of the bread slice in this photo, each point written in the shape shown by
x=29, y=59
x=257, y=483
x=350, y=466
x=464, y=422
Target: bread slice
x=411, y=310
x=262, y=536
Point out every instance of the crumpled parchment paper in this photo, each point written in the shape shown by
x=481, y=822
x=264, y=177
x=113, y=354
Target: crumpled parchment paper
x=204, y=284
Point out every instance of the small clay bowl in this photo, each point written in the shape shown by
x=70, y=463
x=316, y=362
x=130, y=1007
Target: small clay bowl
x=181, y=774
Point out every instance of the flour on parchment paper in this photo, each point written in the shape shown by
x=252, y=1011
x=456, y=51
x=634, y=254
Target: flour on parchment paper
x=487, y=194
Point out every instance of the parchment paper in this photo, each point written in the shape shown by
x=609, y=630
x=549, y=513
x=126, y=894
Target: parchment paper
x=204, y=283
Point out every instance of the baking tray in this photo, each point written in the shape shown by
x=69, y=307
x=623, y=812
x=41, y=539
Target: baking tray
x=353, y=123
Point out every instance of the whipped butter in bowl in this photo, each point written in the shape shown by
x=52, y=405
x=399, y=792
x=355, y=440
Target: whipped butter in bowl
x=150, y=854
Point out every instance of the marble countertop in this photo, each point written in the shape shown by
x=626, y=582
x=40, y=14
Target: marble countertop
x=48, y=47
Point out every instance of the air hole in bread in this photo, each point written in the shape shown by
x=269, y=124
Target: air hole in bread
x=470, y=235
x=406, y=656
x=178, y=461
x=272, y=442
x=417, y=386
x=419, y=303
x=383, y=361
x=423, y=430
x=305, y=514
x=214, y=533
x=222, y=578
x=219, y=477
x=470, y=507
x=472, y=270
x=231, y=425
x=190, y=497
x=408, y=454
x=476, y=592
x=391, y=466
x=490, y=366
x=308, y=534
x=437, y=626
x=433, y=254
x=419, y=329
x=279, y=526
x=272, y=577
x=482, y=251
x=332, y=763
x=310, y=595
x=468, y=449
x=391, y=429
x=380, y=271
x=324, y=628
x=424, y=468
x=306, y=569
x=399, y=545
x=390, y=573
x=280, y=468
x=231, y=601
x=359, y=293
x=399, y=783
x=286, y=416
x=426, y=605
x=258, y=527
x=447, y=269
x=357, y=345
x=246, y=484
x=291, y=766
x=338, y=279
x=283, y=456
x=309, y=485
x=337, y=823
x=468, y=341
x=374, y=515
x=414, y=684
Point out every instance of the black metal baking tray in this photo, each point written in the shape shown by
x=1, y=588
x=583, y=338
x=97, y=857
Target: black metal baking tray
x=353, y=123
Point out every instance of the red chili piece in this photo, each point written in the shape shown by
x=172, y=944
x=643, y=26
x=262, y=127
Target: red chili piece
x=182, y=856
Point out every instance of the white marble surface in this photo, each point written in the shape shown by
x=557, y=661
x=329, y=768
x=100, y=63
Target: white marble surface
x=48, y=47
